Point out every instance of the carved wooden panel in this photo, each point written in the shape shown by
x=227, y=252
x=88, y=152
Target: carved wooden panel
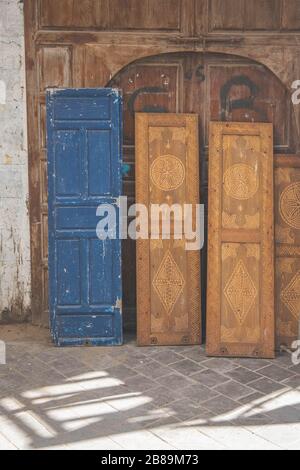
x=55, y=68
x=247, y=93
x=244, y=15
x=291, y=15
x=287, y=213
x=134, y=15
x=150, y=87
x=168, y=276
x=240, y=292
x=111, y=14
x=152, y=14
x=73, y=13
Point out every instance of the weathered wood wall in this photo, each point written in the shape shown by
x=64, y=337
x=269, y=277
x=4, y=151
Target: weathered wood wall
x=87, y=43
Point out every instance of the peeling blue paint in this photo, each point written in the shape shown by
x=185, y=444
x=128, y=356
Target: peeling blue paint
x=85, y=169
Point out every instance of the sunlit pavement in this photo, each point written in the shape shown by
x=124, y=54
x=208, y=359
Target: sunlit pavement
x=143, y=398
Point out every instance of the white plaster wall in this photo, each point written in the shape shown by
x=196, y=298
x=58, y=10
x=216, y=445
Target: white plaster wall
x=14, y=218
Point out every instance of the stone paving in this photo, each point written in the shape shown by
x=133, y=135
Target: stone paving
x=143, y=398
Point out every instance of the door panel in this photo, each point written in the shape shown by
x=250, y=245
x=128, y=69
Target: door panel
x=168, y=276
x=240, y=286
x=243, y=93
x=287, y=185
x=84, y=168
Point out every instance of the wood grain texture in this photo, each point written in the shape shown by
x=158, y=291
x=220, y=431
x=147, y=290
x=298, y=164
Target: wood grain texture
x=85, y=43
x=168, y=277
x=240, y=286
x=287, y=233
x=150, y=15
x=183, y=83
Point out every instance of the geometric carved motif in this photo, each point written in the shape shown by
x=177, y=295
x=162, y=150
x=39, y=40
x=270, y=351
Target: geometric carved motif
x=240, y=181
x=240, y=292
x=291, y=296
x=290, y=205
x=168, y=282
x=167, y=173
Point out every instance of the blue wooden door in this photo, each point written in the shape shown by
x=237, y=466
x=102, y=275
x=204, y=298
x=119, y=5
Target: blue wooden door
x=84, y=171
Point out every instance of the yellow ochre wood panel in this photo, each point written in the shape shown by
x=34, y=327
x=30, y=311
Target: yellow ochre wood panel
x=287, y=233
x=240, y=291
x=168, y=276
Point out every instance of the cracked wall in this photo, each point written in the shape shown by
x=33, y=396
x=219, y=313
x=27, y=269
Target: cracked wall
x=14, y=218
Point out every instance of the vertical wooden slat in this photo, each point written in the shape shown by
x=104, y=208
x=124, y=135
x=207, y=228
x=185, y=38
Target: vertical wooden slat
x=30, y=16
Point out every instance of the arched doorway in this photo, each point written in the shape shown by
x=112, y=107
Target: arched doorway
x=217, y=87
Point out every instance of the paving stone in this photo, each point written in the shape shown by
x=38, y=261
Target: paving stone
x=50, y=377
x=5, y=370
x=187, y=438
x=26, y=367
x=150, y=350
x=258, y=419
x=266, y=386
x=141, y=440
x=67, y=364
x=162, y=396
x=135, y=362
x=238, y=439
x=293, y=446
x=13, y=382
x=286, y=414
x=199, y=393
x=50, y=355
x=295, y=369
x=5, y=444
x=186, y=367
x=196, y=355
x=166, y=357
x=153, y=370
x=164, y=422
x=282, y=435
x=243, y=375
x=94, y=444
x=251, y=398
x=252, y=364
x=284, y=360
x=72, y=374
x=121, y=372
x=220, y=405
x=139, y=383
x=184, y=409
x=210, y=378
x=234, y=390
x=219, y=364
x=276, y=373
x=293, y=382
x=175, y=381
x=205, y=417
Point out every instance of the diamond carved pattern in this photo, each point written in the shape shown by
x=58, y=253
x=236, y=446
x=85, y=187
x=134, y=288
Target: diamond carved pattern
x=240, y=292
x=169, y=282
x=291, y=296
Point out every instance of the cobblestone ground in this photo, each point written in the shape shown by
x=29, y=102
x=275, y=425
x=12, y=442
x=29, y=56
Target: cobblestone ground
x=142, y=398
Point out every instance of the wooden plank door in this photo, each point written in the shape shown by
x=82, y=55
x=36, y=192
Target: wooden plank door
x=168, y=276
x=287, y=233
x=240, y=293
x=84, y=168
